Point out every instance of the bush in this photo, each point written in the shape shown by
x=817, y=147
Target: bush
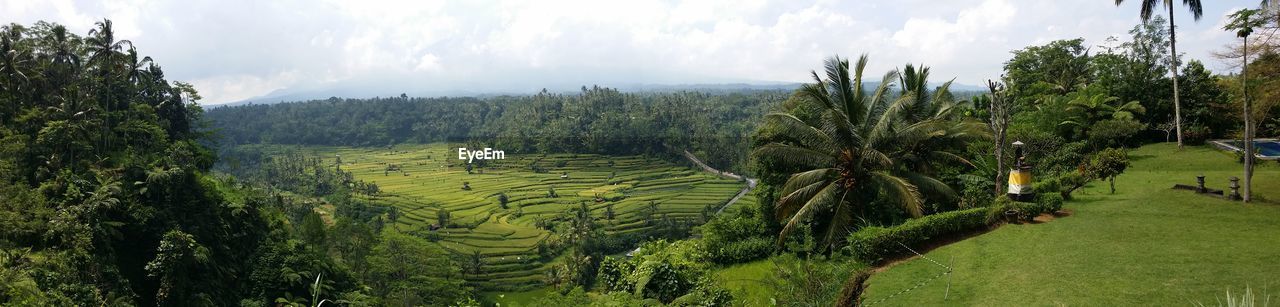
x=613, y=273
x=1114, y=132
x=661, y=270
x=1051, y=185
x=1065, y=159
x=1045, y=203
x=873, y=244
x=737, y=238
x=797, y=281
x=1063, y=184
x=1196, y=135
x=707, y=293
x=1107, y=165
x=1050, y=202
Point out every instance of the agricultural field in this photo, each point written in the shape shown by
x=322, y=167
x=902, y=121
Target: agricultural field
x=422, y=180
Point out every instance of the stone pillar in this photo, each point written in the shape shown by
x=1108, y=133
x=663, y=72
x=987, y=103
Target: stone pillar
x=1200, y=184
x=1235, y=189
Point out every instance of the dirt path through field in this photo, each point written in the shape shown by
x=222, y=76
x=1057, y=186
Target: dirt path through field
x=751, y=182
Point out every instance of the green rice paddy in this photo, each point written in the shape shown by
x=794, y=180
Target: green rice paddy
x=425, y=179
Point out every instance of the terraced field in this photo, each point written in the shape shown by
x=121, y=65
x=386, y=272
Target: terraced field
x=424, y=179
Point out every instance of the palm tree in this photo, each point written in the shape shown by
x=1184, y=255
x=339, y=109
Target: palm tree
x=104, y=49
x=62, y=56
x=1148, y=7
x=1243, y=23
x=14, y=65
x=1102, y=106
x=102, y=43
x=138, y=68
x=856, y=147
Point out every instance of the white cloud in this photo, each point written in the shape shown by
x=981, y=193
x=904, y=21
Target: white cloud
x=236, y=49
x=428, y=62
x=241, y=86
x=937, y=39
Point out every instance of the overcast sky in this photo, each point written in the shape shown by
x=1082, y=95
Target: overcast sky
x=234, y=50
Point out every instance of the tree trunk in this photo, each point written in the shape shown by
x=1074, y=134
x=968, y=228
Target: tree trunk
x=1173, y=48
x=999, y=110
x=1248, y=122
x=1113, y=184
x=999, y=161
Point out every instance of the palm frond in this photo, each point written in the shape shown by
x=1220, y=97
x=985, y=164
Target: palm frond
x=794, y=155
x=820, y=201
x=795, y=201
x=902, y=192
x=929, y=186
x=796, y=129
x=807, y=178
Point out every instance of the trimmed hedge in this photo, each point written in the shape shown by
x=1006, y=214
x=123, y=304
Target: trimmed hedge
x=873, y=244
x=1045, y=203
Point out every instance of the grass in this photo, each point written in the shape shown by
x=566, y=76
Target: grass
x=1144, y=245
x=430, y=178
x=746, y=281
x=515, y=298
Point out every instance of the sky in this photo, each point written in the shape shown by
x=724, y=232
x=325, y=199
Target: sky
x=234, y=50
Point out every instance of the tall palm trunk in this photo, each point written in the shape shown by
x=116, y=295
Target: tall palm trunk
x=1248, y=122
x=1173, y=48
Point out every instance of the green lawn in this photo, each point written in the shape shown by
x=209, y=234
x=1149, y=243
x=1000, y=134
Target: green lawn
x=1144, y=245
x=747, y=282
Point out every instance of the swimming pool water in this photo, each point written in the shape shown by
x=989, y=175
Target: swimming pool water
x=1264, y=148
x=1268, y=148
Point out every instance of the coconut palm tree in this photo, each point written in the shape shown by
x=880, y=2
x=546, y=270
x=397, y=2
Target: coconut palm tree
x=1197, y=10
x=104, y=52
x=15, y=63
x=62, y=56
x=102, y=42
x=856, y=147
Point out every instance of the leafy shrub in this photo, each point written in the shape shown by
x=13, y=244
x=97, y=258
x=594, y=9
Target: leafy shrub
x=1025, y=211
x=613, y=273
x=1107, y=165
x=1063, y=184
x=1196, y=135
x=1065, y=159
x=1050, y=185
x=800, y=281
x=1049, y=202
x=660, y=270
x=873, y=244
x=707, y=293
x=1114, y=132
x=737, y=238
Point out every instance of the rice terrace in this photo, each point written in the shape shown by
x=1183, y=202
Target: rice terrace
x=500, y=209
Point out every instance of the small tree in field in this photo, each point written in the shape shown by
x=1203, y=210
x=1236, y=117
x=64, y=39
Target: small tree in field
x=503, y=200
x=1108, y=164
x=442, y=217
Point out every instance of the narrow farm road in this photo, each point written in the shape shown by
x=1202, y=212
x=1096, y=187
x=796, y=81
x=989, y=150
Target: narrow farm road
x=751, y=182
